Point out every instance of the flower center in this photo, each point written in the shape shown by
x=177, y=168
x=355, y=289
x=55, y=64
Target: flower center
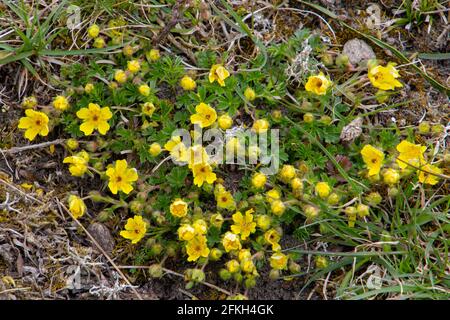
x=208, y=117
x=224, y=199
x=119, y=179
x=38, y=122
x=95, y=118
x=374, y=160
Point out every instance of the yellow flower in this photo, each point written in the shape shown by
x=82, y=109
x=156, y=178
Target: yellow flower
x=426, y=176
x=180, y=153
x=231, y=242
x=277, y=207
x=88, y=88
x=121, y=177
x=135, y=229
x=186, y=232
x=153, y=54
x=260, y=126
x=233, y=266
x=250, y=94
x=203, y=173
x=218, y=73
x=272, y=237
x=311, y=212
x=197, y=155
x=172, y=143
x=362, y=210
x=351, y=215
x=287, y=172
x=225, y=121
x=272, y=195
x=318, y=84
x=93, y=118
x=93, y=31
x=259, y=180
x=225, y=200
x=197, y=247
x=120, y=76
x=373, y=158
x=216, y=220
x=244, y=254
x=128, y=50
x=263, y=222
x=133, y=66
x=148, y=108
x=308, y=117
x=99, y=43
x=34, y=123
x=187, y=83
x=200, y=226
x=247, y=265
x=72, y=144
x=76, y=206
x=391, y=176
x=204, y=116
x=60, y=103
x=297, y=184
x=410, y=153
x=29, y=102
x=323, y=189
x=78, y=164
x=155, y=149
x=243, y=224
x=179, y=208
x=233, y=145
x=144, y=90
x=384, y=78
x=278, y=261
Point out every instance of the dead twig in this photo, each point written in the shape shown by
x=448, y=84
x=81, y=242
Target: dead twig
x=32, y=146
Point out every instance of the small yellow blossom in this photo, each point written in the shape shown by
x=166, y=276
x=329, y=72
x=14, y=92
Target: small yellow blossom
x=277, y=207
x=216, y=220
x=34, y=123
x=154, y=54
x=144, y=90
x=78, y=164
x=272, y=237
x=278, y=261
x=76, y=206
x=155, y=149
x=231, y=242
x=204, y=116
x=133, y=66
x=88, y=88
x=323, y=189
x=250, y=94
x=428, y=174
x=93, y=31
x=60, y=103
x=244, y=254
x=391, y=176
x=203, y=173
x=287, y=172
x=259, y=180
x=263, y=222
x=179, y=208
x=318, y=84
x=243, y=224
x=362, y=210
x=384, y=78
x=148, y=108
x=29, y=102
x=218, y=73
x=247, y=265
x=72, y=144
x=410, y=153
x=135, y=229
x=233, y=266
x=311, y=212
x=200, y=226
x=273, y=195
x=99, y=43
x=187, y=83
x=197, y=247
x=196, y=155
x=297, y=184
x=186, y=232
x=121, y=177
x=260, y=126
x=120, y=76
x=373, y=158
x=308, y=117
x=225, y=200
x=225, y=121
x=94, y=118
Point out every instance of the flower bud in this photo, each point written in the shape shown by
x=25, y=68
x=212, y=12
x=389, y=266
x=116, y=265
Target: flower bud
x=155, y=271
